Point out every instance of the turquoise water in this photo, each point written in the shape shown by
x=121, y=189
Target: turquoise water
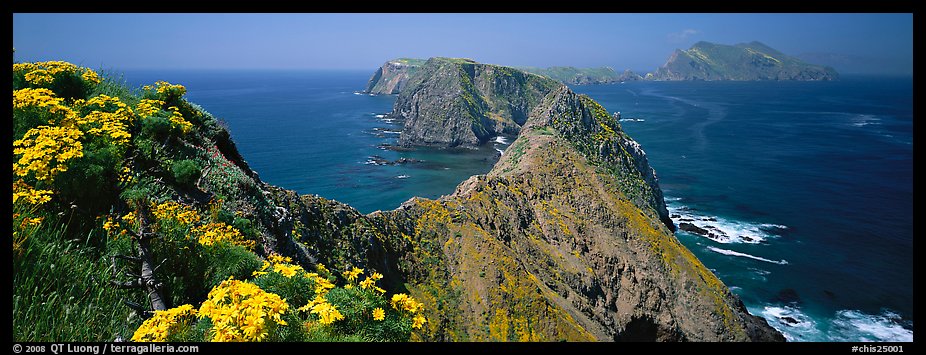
x=807, y=186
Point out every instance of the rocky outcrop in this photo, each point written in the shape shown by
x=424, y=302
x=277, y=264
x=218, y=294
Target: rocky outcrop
x=560, y=241
x=391, y=77
x=744, y=61
x=566, y=238
x=453, y=102
x=629, y=75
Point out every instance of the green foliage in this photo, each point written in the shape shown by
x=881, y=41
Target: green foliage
x=226, y=260
x=91, y=180
x=61, y=289
x=157, y=128
x=357, y=306
x=186, y=172
x=297, y=290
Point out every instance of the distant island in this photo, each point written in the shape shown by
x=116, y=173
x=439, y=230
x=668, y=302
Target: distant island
x=584, y=76
x=393, y=75
x=745, y=61
x=706, y=61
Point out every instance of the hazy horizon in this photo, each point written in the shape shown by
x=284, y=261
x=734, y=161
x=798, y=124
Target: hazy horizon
x=851, y=43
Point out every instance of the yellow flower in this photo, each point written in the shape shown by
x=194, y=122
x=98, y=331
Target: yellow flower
x=219, y=232
x=287, y=270
x=147, y=107
x=90, y=76
x=241, y=311
x=398, y=300
x=379, y=314
x=39, y=77
x=365, y=284
x=418, y=321
x=177, y=120
x=404, y=302
x=163, y=323
x=275, y=258
x=30, y=195
x=351, y=275
x=327, y=313
x=45, y=151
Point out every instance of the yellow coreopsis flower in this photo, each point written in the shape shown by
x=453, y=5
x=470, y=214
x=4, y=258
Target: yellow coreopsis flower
x=352, y=275
x=45, y=151
x=379, y=314
x=418, y=321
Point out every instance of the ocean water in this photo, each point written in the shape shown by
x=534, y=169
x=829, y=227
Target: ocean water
x=310, y=131
x=806, y=187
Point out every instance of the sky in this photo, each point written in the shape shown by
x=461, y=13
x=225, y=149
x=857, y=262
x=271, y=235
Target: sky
x=641, y=42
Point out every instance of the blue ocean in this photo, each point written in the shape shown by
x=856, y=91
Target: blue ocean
x=806, y=187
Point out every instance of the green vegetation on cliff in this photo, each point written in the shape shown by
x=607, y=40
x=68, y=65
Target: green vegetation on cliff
x=135, y=218
x=744, y=61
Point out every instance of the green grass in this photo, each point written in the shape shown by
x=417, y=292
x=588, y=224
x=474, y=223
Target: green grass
x=61, y=290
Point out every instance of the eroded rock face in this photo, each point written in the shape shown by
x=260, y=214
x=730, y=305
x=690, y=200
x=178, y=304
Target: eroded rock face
x=391, y=77
x=453, y=102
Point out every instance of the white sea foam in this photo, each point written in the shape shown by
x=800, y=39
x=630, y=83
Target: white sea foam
x=845, y=325
x=852, y=325
x=391, y=132
x=723, y=230
x=379, y=116
x=501, y=140
x=402, y=177
x=744, y=255
x=500, y=152
x=791, y=322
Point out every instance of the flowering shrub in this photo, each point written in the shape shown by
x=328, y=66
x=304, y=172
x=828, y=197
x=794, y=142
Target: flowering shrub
x=241, y=311
x=165, y=323
x=44, y=151
x=65, y=79
x=212, y=233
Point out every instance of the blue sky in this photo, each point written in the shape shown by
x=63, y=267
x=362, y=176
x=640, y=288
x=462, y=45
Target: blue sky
x=640, y=42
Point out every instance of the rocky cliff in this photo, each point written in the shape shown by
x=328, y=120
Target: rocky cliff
x=391, y=77
x=562, y=240
x=744, y=61
x=452, y=102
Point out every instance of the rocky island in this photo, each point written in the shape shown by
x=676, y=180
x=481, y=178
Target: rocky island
x=744, y=61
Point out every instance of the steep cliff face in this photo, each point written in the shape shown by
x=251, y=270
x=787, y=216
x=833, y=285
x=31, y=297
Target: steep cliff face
x=744, y=61
x=391, y=77
x=460, y=103
x=563, y=240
